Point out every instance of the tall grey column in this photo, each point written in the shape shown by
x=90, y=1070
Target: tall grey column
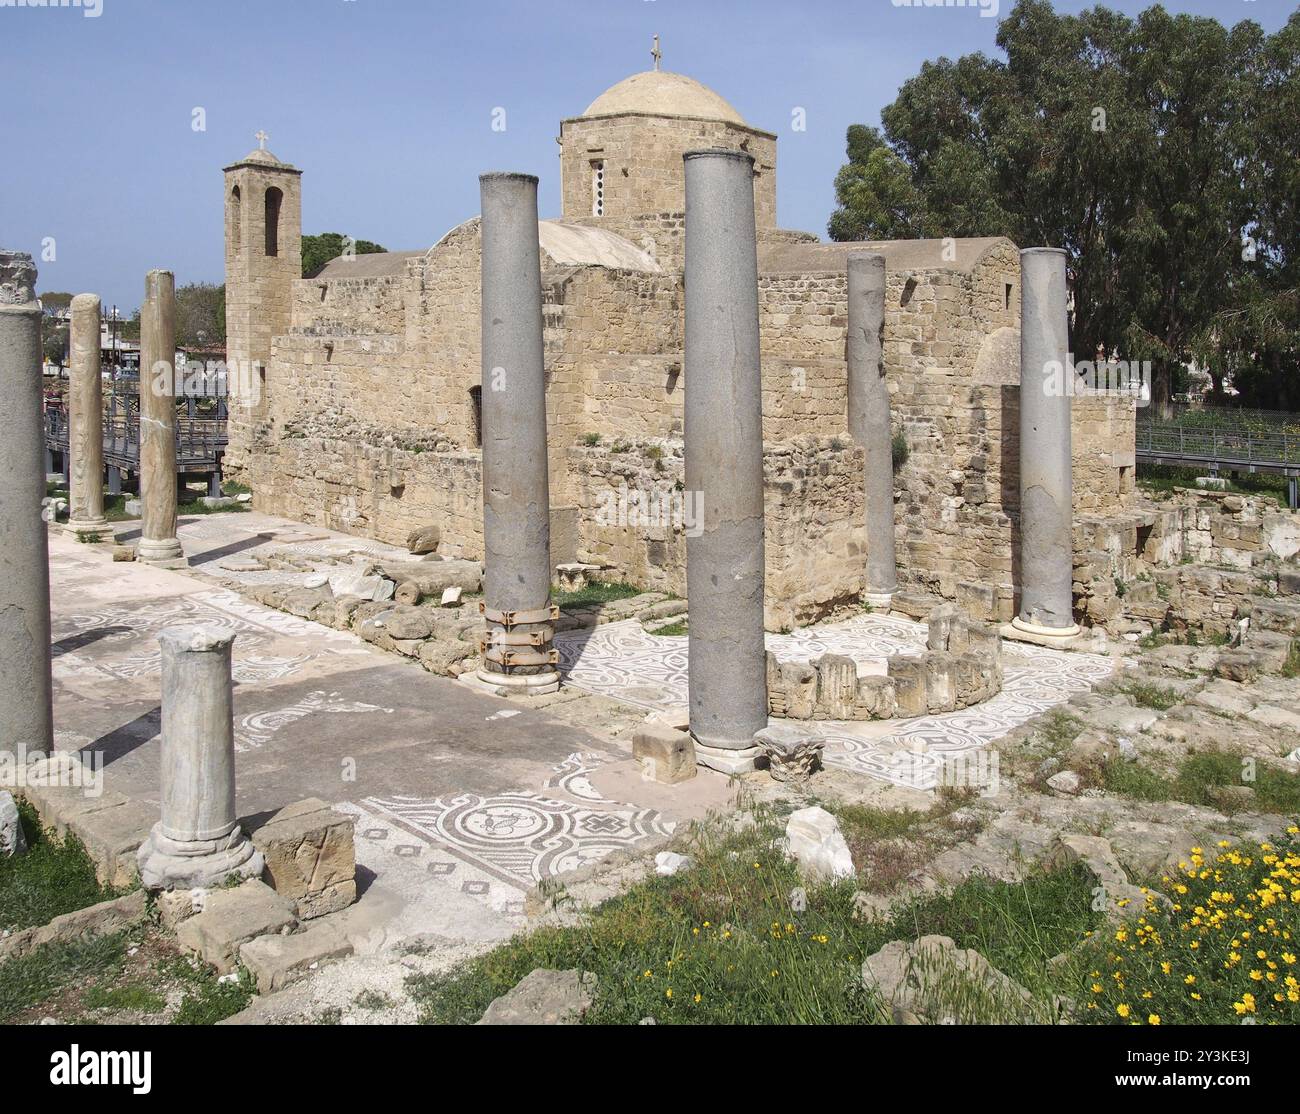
x=26, y=720
x=198, y=841
x=158, y=542
x=518, y=651
x=1046, y=567
x=724, y=460
x=869, y=420
x=86, y=420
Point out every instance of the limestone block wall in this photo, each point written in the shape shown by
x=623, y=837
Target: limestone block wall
x=642, y=155
x=634, y=516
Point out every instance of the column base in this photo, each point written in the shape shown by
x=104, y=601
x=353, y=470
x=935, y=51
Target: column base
x=169, y=864
x=1020, y=630
x=90, y=530
x=517, y=684
x=727, y=761
x=165, y=554
x=879, y=601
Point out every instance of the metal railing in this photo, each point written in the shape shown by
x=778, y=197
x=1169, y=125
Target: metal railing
x=1224, y=448
x=200, y=442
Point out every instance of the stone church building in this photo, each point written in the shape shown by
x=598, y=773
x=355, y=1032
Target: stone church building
x=367, y=417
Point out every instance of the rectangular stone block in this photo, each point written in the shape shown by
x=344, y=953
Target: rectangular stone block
x=277, y=960
x=230, y=918
x=909, y=677
x=667, y=756
x=310, y=858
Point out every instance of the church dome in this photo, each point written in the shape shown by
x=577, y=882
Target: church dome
x=657, y=93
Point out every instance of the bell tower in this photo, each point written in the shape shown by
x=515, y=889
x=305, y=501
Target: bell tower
x=263, y=258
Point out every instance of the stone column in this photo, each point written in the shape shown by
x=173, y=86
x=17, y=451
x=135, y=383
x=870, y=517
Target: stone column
x=26, y=720
x=86, y=421
x=518, y=651
x=724, y=461
x=198, y=841
x=158, y=542
x=1046, y=567
x=869, y=420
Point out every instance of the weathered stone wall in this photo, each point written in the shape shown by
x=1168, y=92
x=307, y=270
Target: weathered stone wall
x=634, y=513
x=372, y=426
x=643, y=163
x=1193, y=561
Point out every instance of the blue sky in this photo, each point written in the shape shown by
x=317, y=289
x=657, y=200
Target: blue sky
x=386, y=105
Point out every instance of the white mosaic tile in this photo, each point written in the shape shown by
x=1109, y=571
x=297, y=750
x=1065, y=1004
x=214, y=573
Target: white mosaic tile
x=621, y=661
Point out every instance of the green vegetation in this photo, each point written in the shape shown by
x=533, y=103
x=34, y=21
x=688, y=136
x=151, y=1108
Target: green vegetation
x=671, y=630
x=133, y=996
x=1057, y=141
x=53, y=877
x=596, y=592
x=207, y=1000
x=31, y=979
x=591, y=440
x=1201, y=778
x=732, y=940
x=320, y=249
x=1225, y=950
x=898, y=450
x=1151, y=696
x=1162, y=479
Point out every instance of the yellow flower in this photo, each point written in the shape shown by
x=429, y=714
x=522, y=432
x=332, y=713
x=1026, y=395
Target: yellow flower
x=698, y=997
x=1153, y=1019
x=1122, y=1010
x=647, y=974
x=1189, y=979
x=668, y=993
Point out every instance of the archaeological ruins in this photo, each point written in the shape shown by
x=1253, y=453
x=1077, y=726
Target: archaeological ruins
x=852, y=532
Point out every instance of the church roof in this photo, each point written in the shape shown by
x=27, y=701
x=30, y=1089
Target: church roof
x=900, y=255
x=657, y=93
x=563, y=244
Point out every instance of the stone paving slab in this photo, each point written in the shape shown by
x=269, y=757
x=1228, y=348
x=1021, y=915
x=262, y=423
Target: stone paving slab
x=433, y=772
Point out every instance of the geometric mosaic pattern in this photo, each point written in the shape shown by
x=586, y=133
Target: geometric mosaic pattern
x=621, y=661
x=135, y=629
x=521, y=838
x=256, y=730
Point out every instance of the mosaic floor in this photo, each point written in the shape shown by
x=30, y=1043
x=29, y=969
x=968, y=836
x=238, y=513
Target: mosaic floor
x=623, y=662
x=498, y=847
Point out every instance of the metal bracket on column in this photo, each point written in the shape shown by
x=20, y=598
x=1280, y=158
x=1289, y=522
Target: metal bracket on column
x=516, y=638
x=508, y=658
x=517, y=618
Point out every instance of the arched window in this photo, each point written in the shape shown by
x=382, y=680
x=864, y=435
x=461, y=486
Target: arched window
x=236, y=218
x=274, y=199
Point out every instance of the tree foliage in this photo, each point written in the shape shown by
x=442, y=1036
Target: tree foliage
x=200, y=315
x=319, y=250
x=1148, y=148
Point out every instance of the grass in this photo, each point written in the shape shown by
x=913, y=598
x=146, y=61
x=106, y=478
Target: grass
x=206, y=1000
x=1291, y=667
x=597, y=592
x=32, y=979
x=671, y=630
x=1163, y=478
x=134, y=972
x=1148, y=695
x=1199, y=778
x=134, y=997
x=738, y=938
x=53, y=877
